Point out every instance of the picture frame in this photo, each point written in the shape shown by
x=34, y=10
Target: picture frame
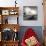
x=5, y=12
x=13, y=12
x=30, y=12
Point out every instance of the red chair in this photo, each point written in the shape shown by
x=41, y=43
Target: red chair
x=29, y=33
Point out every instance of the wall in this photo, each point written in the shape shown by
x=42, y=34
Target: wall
x=37, y=3
x=22, y=3
x=36, y=29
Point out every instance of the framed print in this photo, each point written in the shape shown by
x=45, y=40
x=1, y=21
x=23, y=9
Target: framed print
x=30, y=13
x=5, y=12
x=13, y=12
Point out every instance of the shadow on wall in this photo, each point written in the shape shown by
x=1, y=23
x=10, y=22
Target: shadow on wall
x=37, y=29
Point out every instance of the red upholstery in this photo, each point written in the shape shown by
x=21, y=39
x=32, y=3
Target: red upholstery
x=29, y=33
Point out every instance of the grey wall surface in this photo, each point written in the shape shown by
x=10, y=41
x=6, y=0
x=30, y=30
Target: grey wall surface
x=37, y=29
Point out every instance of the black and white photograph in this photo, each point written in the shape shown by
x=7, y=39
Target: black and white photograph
x=30, y=13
